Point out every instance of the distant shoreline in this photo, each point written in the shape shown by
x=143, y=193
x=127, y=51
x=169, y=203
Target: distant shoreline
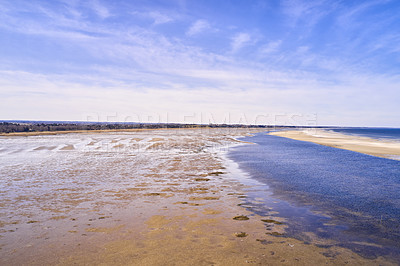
x=33, y=128
x=38, y=133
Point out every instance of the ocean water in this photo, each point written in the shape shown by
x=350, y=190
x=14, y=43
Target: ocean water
x=328, y=196
x=375, y=133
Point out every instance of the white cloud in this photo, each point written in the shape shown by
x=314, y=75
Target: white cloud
x=159, y=18
x=198, y=27
x=303, y=49
x=307, y=13
x=239, y=41
x=298, y=8
x=100, y=9
x=271, y=47
x=349, y=17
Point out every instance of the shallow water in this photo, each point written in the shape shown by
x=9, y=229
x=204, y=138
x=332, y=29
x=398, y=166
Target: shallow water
x=328, y=196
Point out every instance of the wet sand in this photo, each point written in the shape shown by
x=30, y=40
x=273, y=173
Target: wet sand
x=139, y=198
x=380, y=148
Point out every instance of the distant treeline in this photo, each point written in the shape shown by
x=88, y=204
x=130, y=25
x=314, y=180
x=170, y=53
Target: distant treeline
x=10, y=127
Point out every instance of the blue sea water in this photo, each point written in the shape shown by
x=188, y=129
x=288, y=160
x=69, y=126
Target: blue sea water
x=375, y=133
x=336, y=194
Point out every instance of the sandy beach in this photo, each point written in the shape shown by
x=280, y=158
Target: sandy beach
x=380, y=148
x=154, y=197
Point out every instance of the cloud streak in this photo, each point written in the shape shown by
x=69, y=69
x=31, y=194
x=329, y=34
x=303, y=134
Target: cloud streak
x=240, y=40
x=159, y=18
x=100, y=9
x=198, y=27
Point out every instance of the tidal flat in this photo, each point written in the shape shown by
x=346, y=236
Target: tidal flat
x=150, y=197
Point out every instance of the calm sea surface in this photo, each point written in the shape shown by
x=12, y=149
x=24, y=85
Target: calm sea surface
x=328, y=196
x=375, y=133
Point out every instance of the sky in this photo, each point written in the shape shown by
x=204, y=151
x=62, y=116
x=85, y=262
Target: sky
x=285, y=62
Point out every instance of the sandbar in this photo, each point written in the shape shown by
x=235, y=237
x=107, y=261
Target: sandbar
x=380, y=148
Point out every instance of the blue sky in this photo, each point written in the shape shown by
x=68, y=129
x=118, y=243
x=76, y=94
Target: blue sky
x=285, y=62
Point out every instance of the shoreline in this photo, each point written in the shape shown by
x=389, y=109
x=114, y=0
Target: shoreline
x=175, y=202
x=379, y=148
x=38, y=133
x=46, y=133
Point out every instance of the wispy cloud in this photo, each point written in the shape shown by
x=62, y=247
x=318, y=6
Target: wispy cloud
x=239, y=41
x=350, y=14
x=270, y=47
x=155, y=16
x=307, y=13
x=100, y=9
x=159, y=18
x=198, y=27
